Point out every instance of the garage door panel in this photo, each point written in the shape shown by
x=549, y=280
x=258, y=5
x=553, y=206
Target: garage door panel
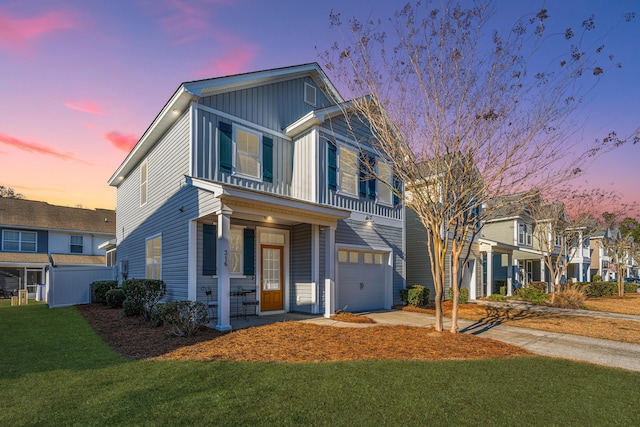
x=361, y=277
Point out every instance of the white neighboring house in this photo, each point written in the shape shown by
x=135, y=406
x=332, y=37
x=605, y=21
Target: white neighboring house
x=601, y=263
x=37, y=236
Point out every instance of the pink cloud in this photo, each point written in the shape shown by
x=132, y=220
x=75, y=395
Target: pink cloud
x=17, y=33
x=34, y=147
x=85, y=106
x=121, y=141
x=235, y=61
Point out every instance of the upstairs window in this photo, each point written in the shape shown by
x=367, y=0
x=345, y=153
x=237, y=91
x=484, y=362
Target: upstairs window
x=245, y=152
x=248, y=152
x=348, y=171
x=558, y=240
x=76, y=244
x=19, y=241
x=385, y=195
x=143, y=183
x=524, y=234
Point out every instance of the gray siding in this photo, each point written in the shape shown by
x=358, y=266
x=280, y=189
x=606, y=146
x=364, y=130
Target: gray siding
x=300, y=290
x=499, y=231
x=350, y=232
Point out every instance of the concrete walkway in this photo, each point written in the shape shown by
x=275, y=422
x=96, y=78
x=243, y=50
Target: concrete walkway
x=603, y=352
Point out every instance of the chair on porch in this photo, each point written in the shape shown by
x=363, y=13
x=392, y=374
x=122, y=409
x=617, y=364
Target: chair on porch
x=212, y=306
x=247, y=302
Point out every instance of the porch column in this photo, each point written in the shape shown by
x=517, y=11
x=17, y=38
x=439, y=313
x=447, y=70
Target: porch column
x=192, y=257
x=224, y=286
x=588, y=271
x=543, y=274
x=489, y=272
x=581, y=272
x=315, y=270
x=509, y=273
x=329, y=281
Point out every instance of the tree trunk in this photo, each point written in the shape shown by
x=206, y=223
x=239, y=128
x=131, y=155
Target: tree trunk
x=455, y=284
x=438, y=303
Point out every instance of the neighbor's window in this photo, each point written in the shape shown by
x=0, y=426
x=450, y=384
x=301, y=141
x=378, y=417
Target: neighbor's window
x=236, y=251
x=524, y=234
x=153, y=252
x=385, y=194
x=143, y=183
x=19, y=241
x=76, y=244
x=348, y=171
x=247, y=152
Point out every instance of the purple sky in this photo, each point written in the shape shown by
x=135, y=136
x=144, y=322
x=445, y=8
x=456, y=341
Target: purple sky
x=82, y=80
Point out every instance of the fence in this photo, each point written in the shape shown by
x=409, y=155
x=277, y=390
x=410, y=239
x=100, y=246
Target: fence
x=70, y=285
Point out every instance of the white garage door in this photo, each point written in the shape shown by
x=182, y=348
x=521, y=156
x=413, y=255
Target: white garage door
x=361, y=280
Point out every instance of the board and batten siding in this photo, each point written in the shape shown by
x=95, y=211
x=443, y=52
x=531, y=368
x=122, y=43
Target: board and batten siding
x=359, y=234
x=305, y=166
x=300, y=296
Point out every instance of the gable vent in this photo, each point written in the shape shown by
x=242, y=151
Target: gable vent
x=310, y=94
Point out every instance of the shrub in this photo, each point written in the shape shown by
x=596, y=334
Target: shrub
x=115, y=298
x=131, y=308
x=463, y=297
x=599, y=289
x=541, y=286
x=143, y=295
x=415, y=295
x=99, y=290
x=569, y=297
x=185, y=317
x=630, y=287
x=497, y=297
x=596, y=278
x=503, y=290
x=533, y=295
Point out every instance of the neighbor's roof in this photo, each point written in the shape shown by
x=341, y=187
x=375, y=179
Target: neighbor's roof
x=192, y=91
x=67, y=259
x=23, y=257
x=510, y=205
x=42, y=215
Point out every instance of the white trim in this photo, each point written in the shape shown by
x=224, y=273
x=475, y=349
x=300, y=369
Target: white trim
x=192, y=261
x=234, y=142
x=243, y=122
x=145, y=165
x=153, y=237
x=193, y=125
x=315, y=267
x=313, y=102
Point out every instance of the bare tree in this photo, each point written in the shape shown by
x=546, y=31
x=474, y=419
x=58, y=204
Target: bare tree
x=621, y=244
x=461, y=113
x=9, y=193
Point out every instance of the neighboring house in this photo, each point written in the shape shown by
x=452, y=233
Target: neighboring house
x=37, y=237
x=600, y=260
x=254, y=183
x=579, y=268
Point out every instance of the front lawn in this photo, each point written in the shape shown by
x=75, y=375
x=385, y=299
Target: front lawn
x=56, y=371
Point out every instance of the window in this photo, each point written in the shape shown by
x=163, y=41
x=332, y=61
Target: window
x=385, y=195
x=524, y=234
x=111, y=258
x=348, y=171
x=76, y=244
x=310, y=94
x=236, y=251
x=248, y=152
x=558, y=240
x=368, y=258
x=153, y=252
x=143, y=183
x=19, y=241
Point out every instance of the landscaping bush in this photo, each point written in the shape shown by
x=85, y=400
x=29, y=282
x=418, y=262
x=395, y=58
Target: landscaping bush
x=497, y=297
x=599, y=289
x=463, y=297
x=115, y=298
x=415, y=295
x=596, y=278
x=142, y=295
x=541, y=286
x=630, y=287
x=100, y=288
x=185, y=317
x=532, y=295
x=569, y=296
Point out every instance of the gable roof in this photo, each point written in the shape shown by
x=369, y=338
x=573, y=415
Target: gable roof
x=192, y=91
x=22, y=213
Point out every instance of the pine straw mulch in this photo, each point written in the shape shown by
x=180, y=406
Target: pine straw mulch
x=593, y=327
x=289, y=342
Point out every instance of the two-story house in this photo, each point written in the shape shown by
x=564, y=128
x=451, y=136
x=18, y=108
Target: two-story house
x=37, y=236
x=255, y=184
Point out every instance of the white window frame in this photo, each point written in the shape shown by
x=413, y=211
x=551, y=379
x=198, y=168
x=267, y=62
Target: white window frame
x=72, y=244
x=313, y=101
x=144, y=183
x=20, y=241
x=236, y=150
x=524, y=238
x=348, y=171
x=385, y=194
x=153, y=264
x=239, y=251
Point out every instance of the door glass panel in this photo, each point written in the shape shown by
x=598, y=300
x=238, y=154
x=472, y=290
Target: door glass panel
x=270, y=269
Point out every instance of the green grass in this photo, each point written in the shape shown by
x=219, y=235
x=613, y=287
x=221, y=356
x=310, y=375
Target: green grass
x=55, y=371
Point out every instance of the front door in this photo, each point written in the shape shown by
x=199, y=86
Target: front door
x=271, y=258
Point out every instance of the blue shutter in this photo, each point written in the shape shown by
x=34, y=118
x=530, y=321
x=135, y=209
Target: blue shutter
x=249, y=252
x=209, y=246
x=332, y=167
x=362, y=176
x=397, y=186
x=372, y=180
x=225, y=154
x=267, y=159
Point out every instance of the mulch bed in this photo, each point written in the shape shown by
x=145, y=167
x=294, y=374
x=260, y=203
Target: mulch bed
x=289, y=342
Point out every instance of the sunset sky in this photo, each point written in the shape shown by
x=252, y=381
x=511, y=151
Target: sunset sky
x=81, y=80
